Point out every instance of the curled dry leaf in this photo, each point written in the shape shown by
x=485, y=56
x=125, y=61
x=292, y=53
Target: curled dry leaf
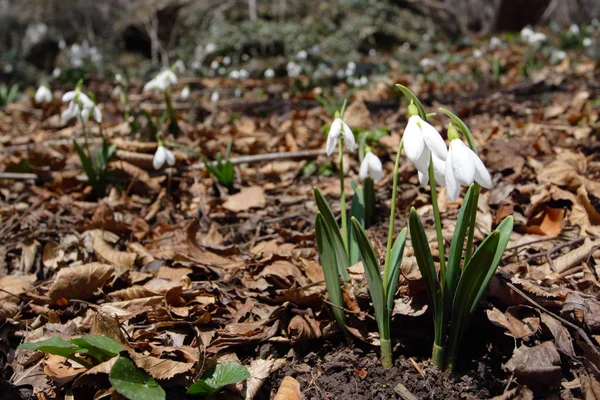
x=62, y=370
x=135, y=174
x=288, y=390
x=160, y=368
x=519, y=393
x=107, y=253
x=79, y=282
x=303, y=328
x=590, y=387
x=521, y=322
x=13, y=286
x=259, y=371
x=561, y=335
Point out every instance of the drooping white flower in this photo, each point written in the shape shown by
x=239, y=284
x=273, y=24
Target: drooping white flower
x=439, y=172
x=227, y=60
x=371, y=167
x=574, y=30
x=302, y=55
x=420, y=141
x=495, y=43
x=244, y=74
x=214, y=97
x=43, y=95
x=463, y=167
x=185, y=93
x=339, y=127
x=587, y=42
x=234, y=74
x=557, y=56
x=477, y=53
x=161, y=82
x=161, y=156
x=180, y=66
x=80, y=107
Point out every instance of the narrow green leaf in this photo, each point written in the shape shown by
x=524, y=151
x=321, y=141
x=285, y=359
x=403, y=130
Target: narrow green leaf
x=223, y=374
x=329, y=264
x=457, y=245
x=411, y=96
x=86, y=164
x=369, y=196
x=463, y=127
x=424, y=260
x=373, y=274
x=55, y=346
x=471, y=281
x=227, y=174
x=357, y=210
x=338, y=244
x=392, y=275
x=133, y=383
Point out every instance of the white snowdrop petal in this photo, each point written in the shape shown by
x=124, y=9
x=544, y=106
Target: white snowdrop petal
x=423, y=178
x=170, y=157
x=68, y=96
x=433, y=140
x=332, y=137
x=97, y=114
x=413, y=140
x=348, y=137
x=159, y=158
x=422, y=163
x=439, y=170
x=462, y=163
x=364, y=169
x=482, y=176
x=452, y=185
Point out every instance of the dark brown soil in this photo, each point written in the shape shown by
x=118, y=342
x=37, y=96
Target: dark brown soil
x=350, y=373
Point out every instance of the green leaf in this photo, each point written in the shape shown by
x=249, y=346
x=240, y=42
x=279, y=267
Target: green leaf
x=133, y=383
x=424, y=260
x=329, y=264
x=472, y=279
x=55, y=346
x=338, y=244
x=101, y=348
x=86, y=164
x=357, y=210
x=223, y=374
x=227, y=174
x=394, y=269
x=456, y=247
x=463, y=127
x=412, y=97
x=369, y=196
x=373, y=274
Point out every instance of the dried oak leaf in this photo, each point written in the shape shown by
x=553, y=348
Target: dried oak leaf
x=61, y=370
x=160, y=368
x=120, y=258
x=303, y=328
x=537, y=366
x=79, y=282
x=520, y=321
x=288, y=390
x=13, y=285
x=247, y=198
x=561, y=335
x=259, y=371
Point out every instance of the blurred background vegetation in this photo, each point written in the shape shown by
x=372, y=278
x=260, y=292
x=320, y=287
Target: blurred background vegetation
x=40, y=37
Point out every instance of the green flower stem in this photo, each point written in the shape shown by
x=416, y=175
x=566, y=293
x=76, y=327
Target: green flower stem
x=438, y=223
x=469, y=250
x=343, y=195
x=388, y=251
x=386, y=353
x=173, y=127
x=437, y=356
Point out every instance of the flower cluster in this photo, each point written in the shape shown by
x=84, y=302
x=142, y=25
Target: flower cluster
x=80, y=107
x=161, y=82
x=43, y=95
x=535, y=39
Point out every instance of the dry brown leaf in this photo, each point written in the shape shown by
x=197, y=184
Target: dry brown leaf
x=62, y=370
x=132, y=292
x=160, y=368
x=357, y=115
x=561, y=335
x=120, y=258
x=520, y=321
x=91, y=376
x=537, y=366
x=79, y=282
x=303, y=328
x=573, y=258
x=288, y=390
x=547, y=222
x=247, y=198
x=590, y=387
x=259, y=371
x=519, y=393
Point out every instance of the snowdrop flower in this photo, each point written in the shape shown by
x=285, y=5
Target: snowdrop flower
x=557, y=56
x=574, y=30
x=477, y=53
x=421, y=140
x=210, y=47
x=463, y=167
x=80, y=107
x=294, y=70
x=302, y=55
x=43, y=95
x=214, y=64
x=339, y=127
x=371, y=167
x=587, y=42
x=439, y=172
x=180, y=66
x=185, y=93
x=495, y=43
x=8, y=68
x=269, y=74
x=234, y=74
x=427, y=63
x=62, y=44
x=372, y=53
x=244, y=74
x=56, y=72
x=227, y=60
x=119, y=79
x=161, y=156
x=245, y=57
x=161, y=82
x=526, y=33
x=214, y=97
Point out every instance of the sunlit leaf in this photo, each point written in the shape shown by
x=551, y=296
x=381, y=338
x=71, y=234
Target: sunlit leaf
x=133, y=383
x=223, y=374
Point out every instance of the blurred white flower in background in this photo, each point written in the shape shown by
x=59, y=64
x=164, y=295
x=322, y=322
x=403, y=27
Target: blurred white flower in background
x=234, y=74
x=214, y=97
x=62, y=44
x=294, y=70
x=557, y=56
x=214, y=64
x=350, y=68
x=302, y=55
x=43, y=95
x=371, y=167
x=245, y=57
x=180, y=66
x=226, y=60
x=185, y=93
x=495, y=43
x=244, y=74
x=210, y=47
x=477, y=53
x=269, y=74
x=36, y=32
x=587, y=42
x=574, y=29
x=372, y=53
x=531, y=37
x=56, y=72
x=80, y=107
x=8, y=68
x=161, y=82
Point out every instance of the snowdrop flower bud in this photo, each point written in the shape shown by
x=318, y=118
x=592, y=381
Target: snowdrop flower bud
x=43, y=95
x=587, y=42
x=339, y=127
x=371, y=167
x=463, y=167
x=161, y=156
x=185, y=93
x=214, y=97
x=119, y=79
x=421, y=141
x=574, y=29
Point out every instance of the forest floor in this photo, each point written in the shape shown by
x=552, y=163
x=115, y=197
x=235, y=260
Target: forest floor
x=185, y=271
